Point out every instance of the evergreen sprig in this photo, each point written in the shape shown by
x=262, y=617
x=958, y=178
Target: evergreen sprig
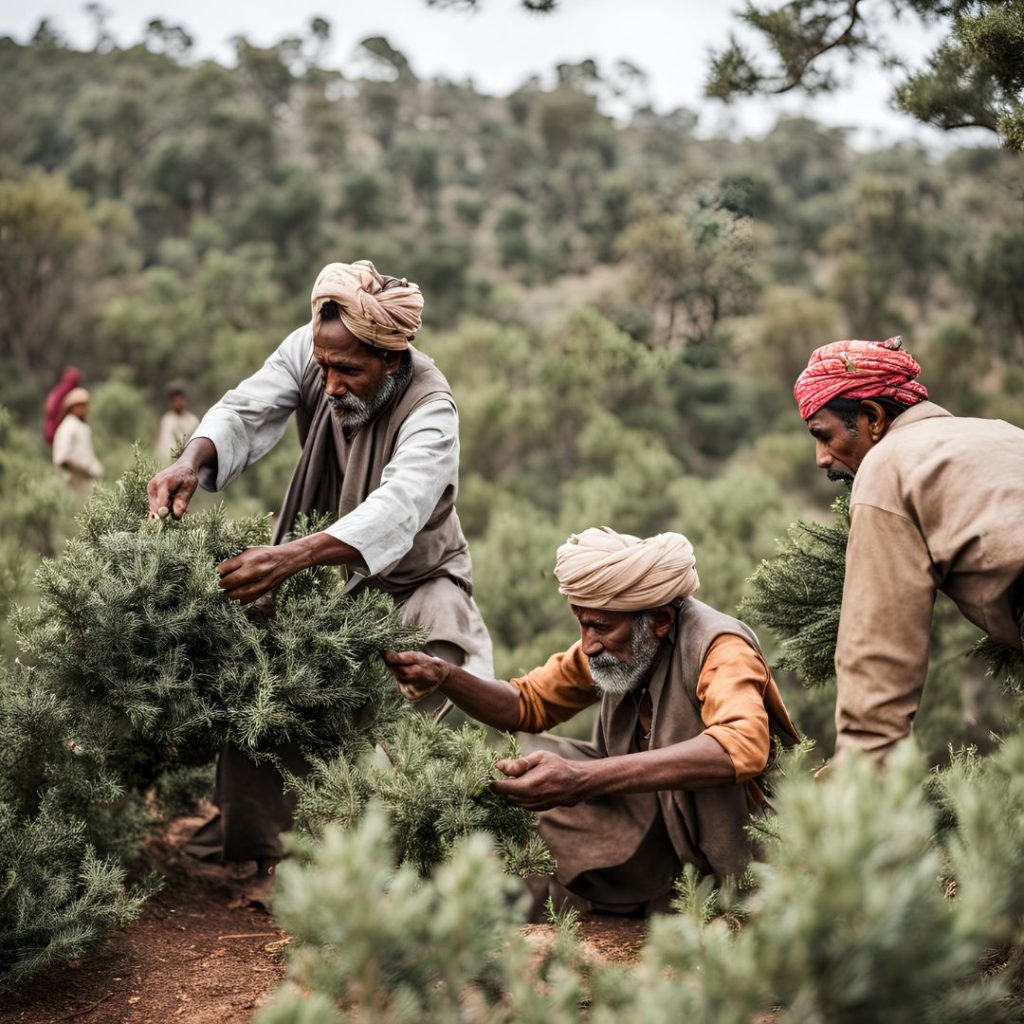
x=798, y=594
x=434, y=783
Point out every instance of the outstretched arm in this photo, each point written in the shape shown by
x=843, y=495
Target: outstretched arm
x=491, y=701
x=241, y=428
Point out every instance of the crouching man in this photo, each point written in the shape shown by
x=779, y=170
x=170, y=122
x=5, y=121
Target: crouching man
x=688, y=708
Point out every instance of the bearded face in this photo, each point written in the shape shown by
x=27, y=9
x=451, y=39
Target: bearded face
x=616, y=675
x=354, y=412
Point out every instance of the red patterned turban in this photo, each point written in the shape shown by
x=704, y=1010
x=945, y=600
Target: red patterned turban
x=858, y=369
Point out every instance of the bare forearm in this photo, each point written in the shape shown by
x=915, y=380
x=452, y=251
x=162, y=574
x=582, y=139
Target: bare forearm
x=321, y=549
x=693, y=764
x=200, y=453
x=491, y=701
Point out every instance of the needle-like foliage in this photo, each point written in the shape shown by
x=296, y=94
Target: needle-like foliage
x=434, y=783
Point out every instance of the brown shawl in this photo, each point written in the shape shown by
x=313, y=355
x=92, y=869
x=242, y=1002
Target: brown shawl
x=337, y=472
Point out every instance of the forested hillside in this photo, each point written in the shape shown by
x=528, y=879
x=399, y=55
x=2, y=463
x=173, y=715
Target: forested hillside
x=621, y=305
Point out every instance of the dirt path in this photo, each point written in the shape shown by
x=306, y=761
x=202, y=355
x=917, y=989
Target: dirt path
x=191, y=959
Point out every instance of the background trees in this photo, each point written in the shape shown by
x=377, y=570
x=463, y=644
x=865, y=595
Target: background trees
x=621, y=306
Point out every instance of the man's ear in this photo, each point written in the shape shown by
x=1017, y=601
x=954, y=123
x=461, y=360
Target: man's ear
x=876, y=420
x=662, y=620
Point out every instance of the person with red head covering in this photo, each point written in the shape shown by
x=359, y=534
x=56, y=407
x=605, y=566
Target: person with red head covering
x=937, y=503
x=53, y=408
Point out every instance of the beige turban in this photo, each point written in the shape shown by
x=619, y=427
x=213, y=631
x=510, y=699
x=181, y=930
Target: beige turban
x=76, y=396
x=382, y=311
x=600, y=568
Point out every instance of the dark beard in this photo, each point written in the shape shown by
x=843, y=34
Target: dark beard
x=839, y=478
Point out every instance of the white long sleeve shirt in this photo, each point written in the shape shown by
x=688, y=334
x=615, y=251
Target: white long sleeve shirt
x=250, y=419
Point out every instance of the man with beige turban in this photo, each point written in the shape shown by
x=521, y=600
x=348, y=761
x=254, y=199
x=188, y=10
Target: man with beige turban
x=688, y=708
x=72, y=445
x=380, y=452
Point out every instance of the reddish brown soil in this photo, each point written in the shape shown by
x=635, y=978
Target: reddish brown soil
x=188, y=958
x=191, y=959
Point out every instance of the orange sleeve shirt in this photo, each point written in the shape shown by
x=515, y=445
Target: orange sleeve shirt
x=735, y=688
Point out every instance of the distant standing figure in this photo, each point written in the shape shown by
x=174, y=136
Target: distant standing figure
x=53, y=407
x=72, y=445
x=175, y=424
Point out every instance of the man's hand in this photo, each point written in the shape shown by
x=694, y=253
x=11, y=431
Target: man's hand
x=256, y=571
x=173, y=487
x=418, y=675
x=541, y=780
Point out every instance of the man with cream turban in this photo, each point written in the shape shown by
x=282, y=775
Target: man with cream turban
x=380, y=453
x=687, y=711
x=937, y=504
x=72, y=445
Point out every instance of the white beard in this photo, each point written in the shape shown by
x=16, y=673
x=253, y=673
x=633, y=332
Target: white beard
x=613, y=676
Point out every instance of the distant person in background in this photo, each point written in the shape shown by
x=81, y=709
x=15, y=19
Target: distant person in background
x=72, y=445
x=53, y=407
x=177, y=424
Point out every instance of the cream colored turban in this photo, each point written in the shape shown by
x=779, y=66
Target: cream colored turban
x=76, y=396
x=382, y=311
x=600, y=568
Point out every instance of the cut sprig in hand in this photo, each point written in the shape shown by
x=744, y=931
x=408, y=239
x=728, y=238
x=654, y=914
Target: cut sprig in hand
x=541, y=780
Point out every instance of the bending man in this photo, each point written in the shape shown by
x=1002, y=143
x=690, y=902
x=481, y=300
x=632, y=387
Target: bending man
x=687, y=711
x=937, y=504
x=380, y=451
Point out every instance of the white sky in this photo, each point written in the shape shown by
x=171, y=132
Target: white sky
x=502, y=44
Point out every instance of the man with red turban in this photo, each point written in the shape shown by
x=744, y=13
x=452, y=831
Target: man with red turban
x=54, y=409
x=687, y=712
x=380, y=454
x=937, y=504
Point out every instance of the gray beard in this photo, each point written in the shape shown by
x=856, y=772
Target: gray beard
x=613, y=676
x=354, y=413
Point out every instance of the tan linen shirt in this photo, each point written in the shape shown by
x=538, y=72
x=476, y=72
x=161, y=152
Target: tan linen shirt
x=937, y=504
x=174, y=426
x=733, y=688
x=73, y=453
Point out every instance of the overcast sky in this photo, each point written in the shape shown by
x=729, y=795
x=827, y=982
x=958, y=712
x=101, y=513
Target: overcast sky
x=502, y=44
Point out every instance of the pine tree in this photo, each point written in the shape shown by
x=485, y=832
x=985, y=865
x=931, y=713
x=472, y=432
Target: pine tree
x=879, y=898
x=132, y=624
x=140, y=670
x=799, y=592
x=65, y=825
x=434, y=783
x=373, y=941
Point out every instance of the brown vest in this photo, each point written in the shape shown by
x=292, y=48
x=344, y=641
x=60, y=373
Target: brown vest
x=706, y=827
x=336, y=473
